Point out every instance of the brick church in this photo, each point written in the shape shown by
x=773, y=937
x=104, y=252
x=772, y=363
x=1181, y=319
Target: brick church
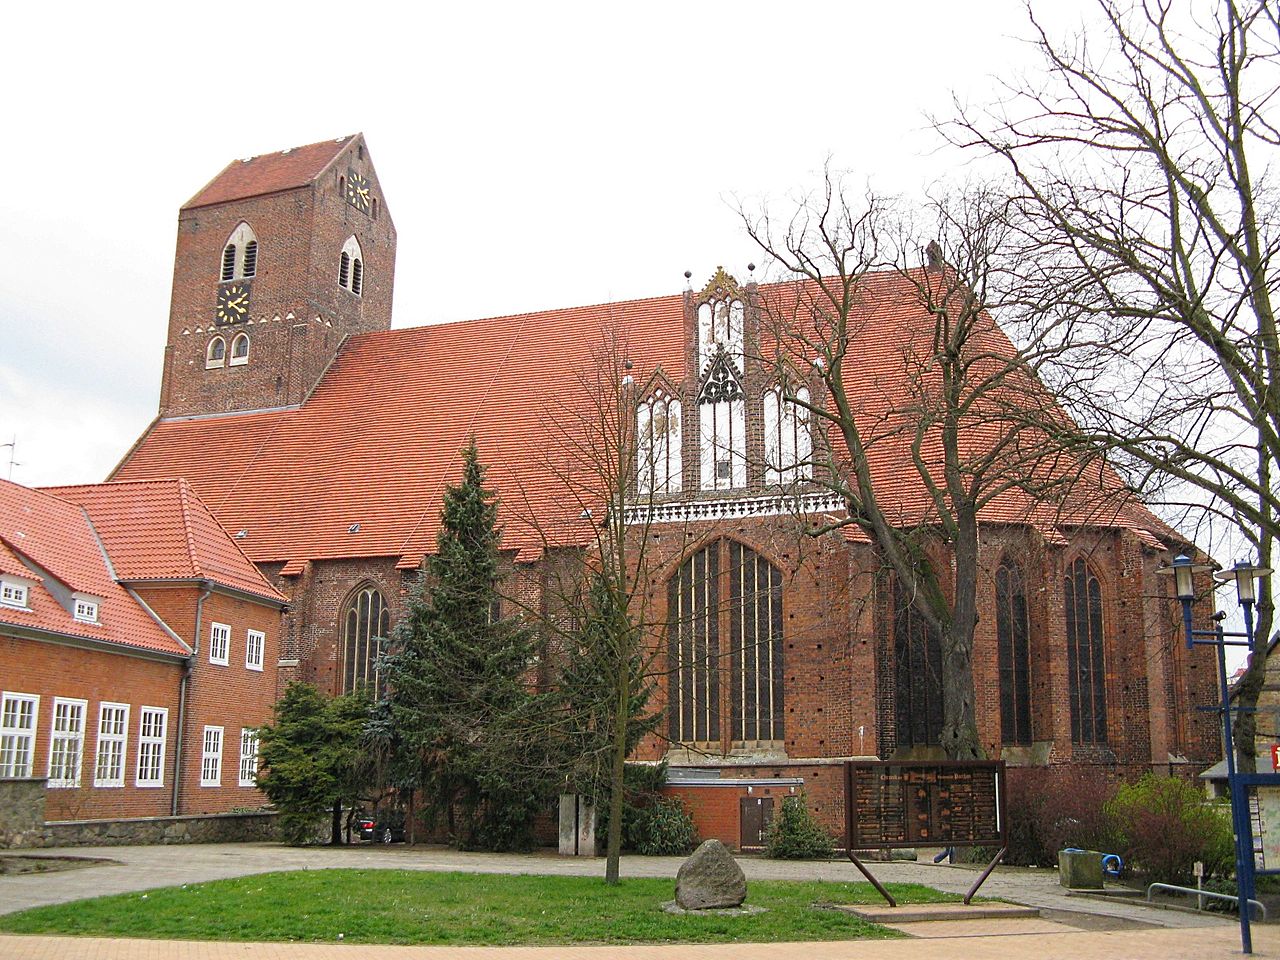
x=322, y=441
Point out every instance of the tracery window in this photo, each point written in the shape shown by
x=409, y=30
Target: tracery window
x=788, y=446
x=1013, y=641
x=365, y=622
x=240, y=254
x=351, y=266
x=1086, y=673
x=740, y=679
x=658, y=444
x=917, y=652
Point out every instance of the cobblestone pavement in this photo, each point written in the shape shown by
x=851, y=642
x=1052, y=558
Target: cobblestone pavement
x=1096, y=928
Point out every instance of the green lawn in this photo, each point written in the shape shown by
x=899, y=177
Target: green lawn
x=406, y=906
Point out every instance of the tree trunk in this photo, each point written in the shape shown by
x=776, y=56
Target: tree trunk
x=959, y=720
x=617, y=773
x=335, y=827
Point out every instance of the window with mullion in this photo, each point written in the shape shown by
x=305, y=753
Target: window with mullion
x=1086, y=670
x=1013, y=641
x=917, y=649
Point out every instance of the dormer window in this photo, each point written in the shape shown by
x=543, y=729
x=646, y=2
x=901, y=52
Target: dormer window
x=215, y=354
x=14, y=593
x=351, y=267
x=86, y=610
x=240, y=254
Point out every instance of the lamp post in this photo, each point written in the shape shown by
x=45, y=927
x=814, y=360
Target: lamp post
x=1184, y=570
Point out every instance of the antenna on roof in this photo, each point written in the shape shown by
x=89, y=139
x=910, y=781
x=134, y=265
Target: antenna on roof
x=13, y=448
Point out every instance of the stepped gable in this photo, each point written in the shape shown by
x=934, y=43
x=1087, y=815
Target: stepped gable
x=51, y=540
x=160, y=530
x=269, y=173
x=359, y=469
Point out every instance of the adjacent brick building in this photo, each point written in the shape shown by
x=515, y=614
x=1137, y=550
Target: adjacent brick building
x=138, y=651
x=322, y=440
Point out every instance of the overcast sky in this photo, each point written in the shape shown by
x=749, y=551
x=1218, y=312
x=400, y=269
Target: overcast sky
x=532, y=155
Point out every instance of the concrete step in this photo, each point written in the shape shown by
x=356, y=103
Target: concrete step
x=925, y=912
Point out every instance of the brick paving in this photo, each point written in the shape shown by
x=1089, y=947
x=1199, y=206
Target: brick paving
x=1069, y=930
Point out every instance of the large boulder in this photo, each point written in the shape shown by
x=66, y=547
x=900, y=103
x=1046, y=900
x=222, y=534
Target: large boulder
x=710, y=879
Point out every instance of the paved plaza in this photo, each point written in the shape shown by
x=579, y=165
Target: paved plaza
x=1071, y=927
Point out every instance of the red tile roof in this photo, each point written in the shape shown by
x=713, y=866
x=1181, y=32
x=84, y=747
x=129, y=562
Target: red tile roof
x=269, y=173
x=56, y=537
x=377, y=442
x=160, y=530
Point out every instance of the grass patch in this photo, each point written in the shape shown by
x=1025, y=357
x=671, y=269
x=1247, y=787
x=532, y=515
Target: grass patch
x=419, y=907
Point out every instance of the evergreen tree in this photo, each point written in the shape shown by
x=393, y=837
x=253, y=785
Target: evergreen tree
x=457, y=702
x=313, y=759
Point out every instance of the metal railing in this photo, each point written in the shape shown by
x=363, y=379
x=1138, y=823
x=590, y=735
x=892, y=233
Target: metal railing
x=1204, y=893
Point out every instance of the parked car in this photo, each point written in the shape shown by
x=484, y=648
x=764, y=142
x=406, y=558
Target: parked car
x=382, y=826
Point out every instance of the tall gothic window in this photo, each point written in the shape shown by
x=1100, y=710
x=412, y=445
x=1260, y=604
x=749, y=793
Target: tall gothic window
x=1013, y=641
x=658, y=444
x=722, y=428
x=788, y=447
x=239, y=254
x=917, y=651
x=365, y=622
x=712, y=680
x=1086, y=673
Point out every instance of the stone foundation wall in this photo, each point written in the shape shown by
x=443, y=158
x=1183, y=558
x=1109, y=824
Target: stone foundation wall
x=21, y=812
x=213, y=828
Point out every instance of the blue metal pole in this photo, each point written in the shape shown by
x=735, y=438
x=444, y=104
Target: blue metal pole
x=1239, y=810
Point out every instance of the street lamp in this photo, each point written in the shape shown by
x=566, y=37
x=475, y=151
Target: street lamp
x=1184, y=571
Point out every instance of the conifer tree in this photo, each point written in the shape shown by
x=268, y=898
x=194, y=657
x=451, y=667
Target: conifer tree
x=457, y=699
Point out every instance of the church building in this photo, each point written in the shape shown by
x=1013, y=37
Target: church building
x=322, y=441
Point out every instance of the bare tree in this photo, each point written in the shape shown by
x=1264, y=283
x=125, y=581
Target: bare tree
x=933, y=425
x=1142, y=153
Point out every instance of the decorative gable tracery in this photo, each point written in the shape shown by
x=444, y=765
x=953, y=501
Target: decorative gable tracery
x=722, y=421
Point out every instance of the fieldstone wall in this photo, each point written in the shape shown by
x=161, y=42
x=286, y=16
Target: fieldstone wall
x=21, y=812
x=211, y=828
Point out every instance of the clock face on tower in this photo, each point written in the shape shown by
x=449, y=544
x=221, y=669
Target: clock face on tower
x=233, y=304
x=358, y=192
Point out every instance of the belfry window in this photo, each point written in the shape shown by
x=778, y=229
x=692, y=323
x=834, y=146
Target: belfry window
x=658, y=444
x=240, y=254
x=1013, y=642
x=788, y=446
x=215, y=354
x=351, y=267
x=1086, y=672
x=366, y=622
x=725, y=647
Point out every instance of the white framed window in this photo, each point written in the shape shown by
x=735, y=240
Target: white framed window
x=13, y=594
x=248, y=757
x=86, y=610
x=253, y=649
x=788, y=445
x=211, y=758
x=215, y=355
x=152, y=729
x=113, y=738
x=17, y=733
x=658, y=443
x=351, y=266
x=220, y=644
x=240, y=254
x=66, y=742
x=239, y=350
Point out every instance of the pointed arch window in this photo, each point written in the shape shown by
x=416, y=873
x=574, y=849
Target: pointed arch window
x=1014, y=655
x=659, y=460
x=215, y=354
x=788, y=446
x=351, y=266
x=366, y=622
x=725, y=647
x=240, y=254
x=917, y=653
x=239, y=350
x=722, y=426
x=1086, y=670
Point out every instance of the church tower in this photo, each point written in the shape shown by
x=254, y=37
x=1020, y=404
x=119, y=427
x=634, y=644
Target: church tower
x=279, y=258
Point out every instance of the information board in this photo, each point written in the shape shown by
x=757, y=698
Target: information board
x=948, y=803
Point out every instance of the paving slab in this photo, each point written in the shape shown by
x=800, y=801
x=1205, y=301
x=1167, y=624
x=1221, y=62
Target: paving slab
x=924, y=912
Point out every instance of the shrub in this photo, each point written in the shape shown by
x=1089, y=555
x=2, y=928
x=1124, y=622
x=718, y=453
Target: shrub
x=664, y=829
x=1050, y=810
x=1163, y=825
x=795, y=834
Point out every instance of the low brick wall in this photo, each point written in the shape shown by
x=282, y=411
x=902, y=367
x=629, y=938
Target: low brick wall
x=21, y=812
x=210, y=828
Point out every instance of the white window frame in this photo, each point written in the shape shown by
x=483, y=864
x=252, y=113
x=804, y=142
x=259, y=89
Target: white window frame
x=788, y=444
x=153, y=731
x=240, y=238
x=659, y=445
x=18, y=733
x=248, y=757
x=85, y=610
x=66, y=745
x=351, y=250
x=232, y=359
x=220, y=644
x=14, y=593
x=113, y=744
x=211, y=757
x=255, y=642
